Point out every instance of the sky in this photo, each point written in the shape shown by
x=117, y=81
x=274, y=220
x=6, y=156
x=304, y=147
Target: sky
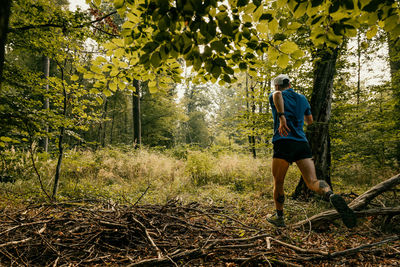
x=81, y=3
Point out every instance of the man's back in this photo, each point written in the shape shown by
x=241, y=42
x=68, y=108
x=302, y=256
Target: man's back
x=296, y=107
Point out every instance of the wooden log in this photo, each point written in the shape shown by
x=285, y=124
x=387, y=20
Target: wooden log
x=357, y=204
x=363, y=200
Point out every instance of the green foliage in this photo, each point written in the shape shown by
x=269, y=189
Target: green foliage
x=199, y=166
x=366, y=135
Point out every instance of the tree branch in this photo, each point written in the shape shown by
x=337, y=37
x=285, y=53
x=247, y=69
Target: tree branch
x=64, y=26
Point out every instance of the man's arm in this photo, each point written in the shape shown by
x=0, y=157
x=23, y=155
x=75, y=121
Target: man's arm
x=280, y=108
x=308, y=119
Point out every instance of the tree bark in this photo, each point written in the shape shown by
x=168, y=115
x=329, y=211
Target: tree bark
x=253, y=113
x=318, y=132
x=5, y=6
x=394, y=58
x=358, y=67
x=46, y=71
x=251, y=136
x=60, y=139
x=137, y=127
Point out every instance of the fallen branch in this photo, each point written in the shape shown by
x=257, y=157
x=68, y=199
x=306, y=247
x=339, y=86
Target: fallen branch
x=16, y=242
x=363, y=200
x=144, y=229
x=357, y=249
x=194, y=253
x=357, y=204
x=301, y=250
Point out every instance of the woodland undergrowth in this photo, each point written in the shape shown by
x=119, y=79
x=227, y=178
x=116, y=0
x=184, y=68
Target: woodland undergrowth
x=237, y=183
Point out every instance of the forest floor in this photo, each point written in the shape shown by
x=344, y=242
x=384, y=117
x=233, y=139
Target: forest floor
x=97, y=233
x=144, y=208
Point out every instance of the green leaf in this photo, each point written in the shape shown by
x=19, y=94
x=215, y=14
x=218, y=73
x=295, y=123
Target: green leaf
x=128, y=25
x=113, y=86
x=257, y=14
x=216, y=71
x=391, y=22
x=281, y=3
x=74, y=77
x=5, y=139
x=123, y=64
x=119, y=53
x=272, y=54
x=155, y=59
x=242, y=3
x=273, y=26
x=283, y=61
x=95, y=69
x=315, y=3
x=372, y=32
x=88, y=75
x=107, y=93
x=289, y=47
x=153, y=89
x=294, y=25
x=297, y=54
x=297, y=64
x=99, y=99
x=262, y=27
x=118, y=4
x=114, y=72
x=300, y=10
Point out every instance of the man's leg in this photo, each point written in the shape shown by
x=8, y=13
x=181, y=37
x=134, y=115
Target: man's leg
x=307, y=170
x=279, y=169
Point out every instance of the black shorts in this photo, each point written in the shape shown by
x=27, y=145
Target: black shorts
x=291, y=150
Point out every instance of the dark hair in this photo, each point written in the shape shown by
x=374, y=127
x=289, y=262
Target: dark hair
x=284, y=85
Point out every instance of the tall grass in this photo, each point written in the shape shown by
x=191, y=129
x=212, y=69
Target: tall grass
x=125, y=174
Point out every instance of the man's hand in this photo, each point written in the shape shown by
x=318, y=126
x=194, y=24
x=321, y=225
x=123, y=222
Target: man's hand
x=283, y=128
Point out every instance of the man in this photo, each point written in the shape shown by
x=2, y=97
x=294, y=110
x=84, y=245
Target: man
x=290, y=110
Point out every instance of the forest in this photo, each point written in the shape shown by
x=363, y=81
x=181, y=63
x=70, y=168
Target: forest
x=139, y=132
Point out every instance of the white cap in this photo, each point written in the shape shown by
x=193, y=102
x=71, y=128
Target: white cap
x=280, y=78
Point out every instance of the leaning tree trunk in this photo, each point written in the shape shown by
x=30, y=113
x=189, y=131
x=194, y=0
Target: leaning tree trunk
x=137, y=127
x=318, y=132
x=394, y=56
x=5, y=6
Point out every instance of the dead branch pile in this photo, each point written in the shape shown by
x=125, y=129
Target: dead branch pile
x=173, y=234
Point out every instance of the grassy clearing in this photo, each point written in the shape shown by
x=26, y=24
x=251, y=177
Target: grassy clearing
x=123, y=175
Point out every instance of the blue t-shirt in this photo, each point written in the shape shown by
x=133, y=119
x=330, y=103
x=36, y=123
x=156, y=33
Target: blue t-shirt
x=296, y=106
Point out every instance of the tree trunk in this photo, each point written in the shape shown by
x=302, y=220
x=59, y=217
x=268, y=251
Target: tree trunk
x=101, y=133
x=112, y=122
x=358, y=67
x=5, y=6
x=137, y=127
x=46, y=71
x=394, y=58
x=318, y=132
x=103, y=140
x=253, y=113
x=60, y=140
x=251, y=136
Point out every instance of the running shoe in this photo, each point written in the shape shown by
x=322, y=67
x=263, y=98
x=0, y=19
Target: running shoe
x=276, y=220
x=348, y=217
